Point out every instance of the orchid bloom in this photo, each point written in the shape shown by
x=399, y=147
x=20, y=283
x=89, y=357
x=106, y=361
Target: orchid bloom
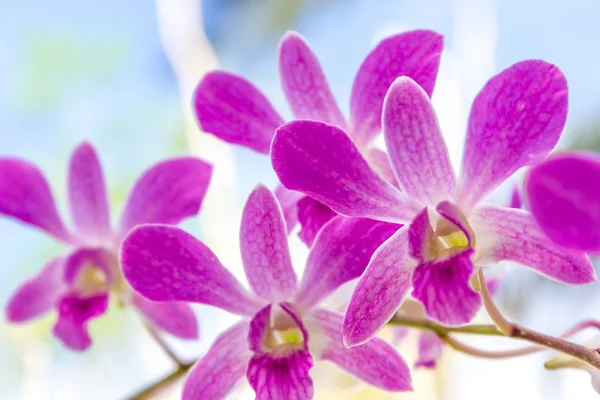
x=515, y=121
x=235, y=111
x=564, y=196
x=283, y=328
x=78, y=284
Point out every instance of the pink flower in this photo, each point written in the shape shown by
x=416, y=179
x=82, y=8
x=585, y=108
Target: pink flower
x=232, y=109
x=283, y=327
x=564, y=196
x=515, y=121
x=79, y=283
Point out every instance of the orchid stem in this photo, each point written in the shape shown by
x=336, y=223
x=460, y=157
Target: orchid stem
x=157, y=388
x=161, y=343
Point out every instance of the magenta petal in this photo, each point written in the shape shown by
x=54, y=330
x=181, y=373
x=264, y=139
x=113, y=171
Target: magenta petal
x=430, y=350
x=415, y=143
x=216, y=374
x=321, y=161
x=415, y=54
x=87, y=193
x=312, y=215
x=288, y=200
x=443, y=286
x=380, y=162
x=178, y=319
x=516, y=120
x=26, y=196
x=564, y=197
x=375, y=362
x=233, y=110
x=340, y=253
x=37, y=295
x=516, y=200
x=74, y=314
x=264, y=247
x=380, y=290
x=513, y=235
x=164, y=263
x=281, y=373
x=167, y=193
x=305, y=84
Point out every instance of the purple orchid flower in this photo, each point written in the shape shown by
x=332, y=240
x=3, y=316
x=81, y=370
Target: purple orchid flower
x=283, y=328
x=235, y=111
x=79, y=283
x=515, y=121
x=563, y=193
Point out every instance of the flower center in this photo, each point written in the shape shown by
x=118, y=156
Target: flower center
x=91, y=280
x=284, y=332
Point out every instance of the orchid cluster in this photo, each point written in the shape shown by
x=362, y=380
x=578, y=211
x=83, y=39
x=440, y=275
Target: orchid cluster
x=414, y=236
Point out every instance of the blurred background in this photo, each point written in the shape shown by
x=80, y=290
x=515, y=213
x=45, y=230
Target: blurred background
x=121, y=74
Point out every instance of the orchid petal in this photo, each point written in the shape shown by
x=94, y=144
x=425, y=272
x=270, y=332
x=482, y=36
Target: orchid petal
x=415, y=143
x=74, y=314
x=288, y=200
x=443, y=286
x=430, y=350
x=564, y=196
x=321, y=161
x=380, y=290
x=380, y=162
x=305, y=84
x=26, y=196
x=178, y=319
x=87, y=193
x=37, y=295
x=216, y=374
x=278, y=374
x=415, y=54
x=513, y=235
x=164, y=263
x=340, y=253
x=312, y=215
x=167, y=193
x=265, y=253
x=515, y=121
x=235, y=111
x=375, y=362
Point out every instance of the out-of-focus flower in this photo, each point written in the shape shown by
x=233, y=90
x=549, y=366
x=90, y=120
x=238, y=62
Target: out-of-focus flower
x=232, y=109
x=283, y=328
x=515, y=121
x=79, y=283
x=566, y=361
x=563, y=193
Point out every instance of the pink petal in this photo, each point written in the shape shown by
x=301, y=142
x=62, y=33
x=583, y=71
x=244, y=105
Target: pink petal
x=232, y=109
x=321, y=161
x=443, y=286
x=167, y=193
x=288, y=200
x=265, y=253
x=513, y=235
x=415, y=54
x=305, y=84
x=164, y=263
x=25, y=195
x=178, y=319
x=37, y=295
x=516, y=200
x=87, y=193
x=380, y=162
x=312, y=215
x=375, y=362
x=380, y=290
x=430, y=350
x=415, y=143
x=564, y=196
x=516, y=120
x=341, y=253
x=74, y=314
x=279, y=374
x=216, y=374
